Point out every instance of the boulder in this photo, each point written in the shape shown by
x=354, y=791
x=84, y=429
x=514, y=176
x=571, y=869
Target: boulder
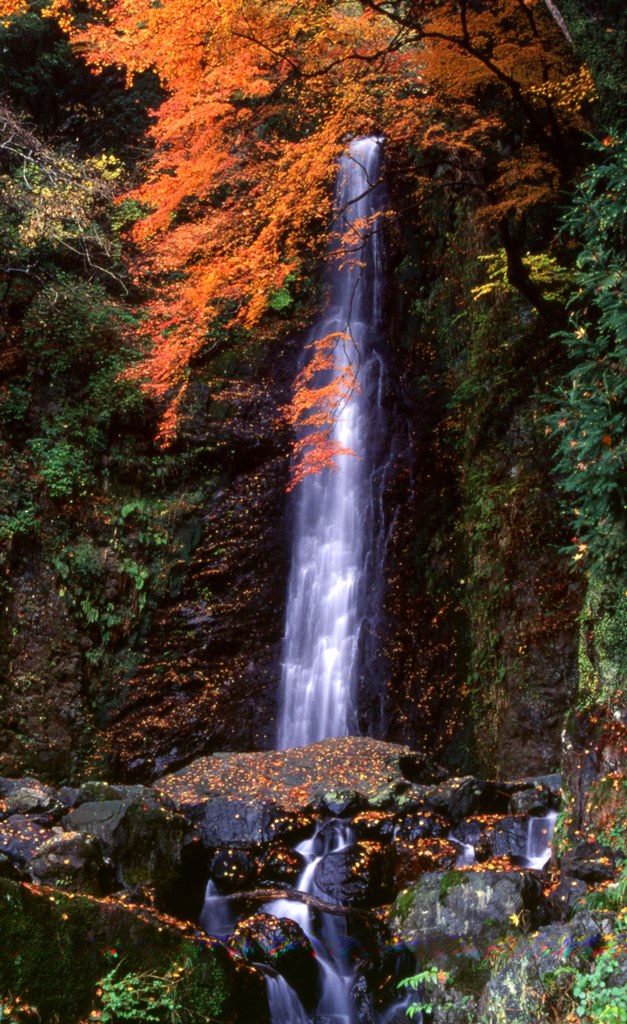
x=29, y=796
x=417, y=825
x=559, y=904
x=280, y=864
x=450, y=907
x=232, y=822
x=589, y=862
x=377, y=825
x=515, y=993
x=21, y=837
x=282, y=944
x=74, y=862
x=510, y=837
x=232, y=870
x=143, y=840
x=518, y=990
x=459, y=798
x=537, y=800
x=408, y=861
x=341, y=803
x=354, y=875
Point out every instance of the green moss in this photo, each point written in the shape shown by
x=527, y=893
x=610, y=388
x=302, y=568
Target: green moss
x=403, y=904
x=451, y=880
x=56, y=948
x=603, y=642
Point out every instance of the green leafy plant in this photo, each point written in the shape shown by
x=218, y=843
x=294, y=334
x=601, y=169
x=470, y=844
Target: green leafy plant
x=588, y=421
x=600, y=997
x=423, y=982
x=141, y=996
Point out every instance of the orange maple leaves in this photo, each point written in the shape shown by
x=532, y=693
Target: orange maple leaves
x=261, y=96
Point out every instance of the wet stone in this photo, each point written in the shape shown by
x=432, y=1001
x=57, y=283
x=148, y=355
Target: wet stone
x=21, y=837
x=589, y=862
x=29, y=796
x=281, y=864
x=411, y=860
x=282, y=944
x=74, y=862
x=232, y=870
x=538, y=800
x=375, y=825
x=355, y=875
x=421, y=825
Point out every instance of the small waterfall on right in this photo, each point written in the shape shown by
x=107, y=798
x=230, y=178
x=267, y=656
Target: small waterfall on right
x=539, y=836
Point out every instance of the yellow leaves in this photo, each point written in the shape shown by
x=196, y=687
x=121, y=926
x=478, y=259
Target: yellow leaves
x=570, y=93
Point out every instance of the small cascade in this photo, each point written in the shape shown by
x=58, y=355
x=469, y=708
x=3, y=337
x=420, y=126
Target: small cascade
x=539, y=838
x=216, y=918
x=285, y=1006
x=327, y=932
x=339, y=522
x=466, y=853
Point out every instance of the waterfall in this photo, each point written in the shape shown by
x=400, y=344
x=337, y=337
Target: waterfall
x=539, y=839
x=338, y=519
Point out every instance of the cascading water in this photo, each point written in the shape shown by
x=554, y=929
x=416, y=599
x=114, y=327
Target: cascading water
x=329, y=937
x=539, y=838
x=338, y=521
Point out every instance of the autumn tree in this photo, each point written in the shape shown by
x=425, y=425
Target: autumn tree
x=261, y=98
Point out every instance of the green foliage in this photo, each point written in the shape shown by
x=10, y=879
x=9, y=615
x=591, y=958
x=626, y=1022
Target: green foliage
x=423, y=980
x=599, y=32
x=141, y=996
x=282, y=300
x=588, y=423
x=431, y=984
x=600, y=996
x=46, y=79
x=603, y=642
x=72, y=326
x=613, y=897
x=554, y=280
x=63, y=466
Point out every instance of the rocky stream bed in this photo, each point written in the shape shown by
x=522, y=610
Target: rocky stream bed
x=197, y=882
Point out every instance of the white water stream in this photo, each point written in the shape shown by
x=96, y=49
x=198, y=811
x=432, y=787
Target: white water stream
x=333, y=520
x=328, y=935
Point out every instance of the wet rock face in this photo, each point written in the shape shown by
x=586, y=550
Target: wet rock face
x=590, y=862
x=211, y=667
x=209, y=651
x=44, y=726
x=408, y=861
x=142, y=839
x=446, y=907
x=354, y=876
x=232, y=870
x=280, y=864
x=74, y=862
x=421, y=825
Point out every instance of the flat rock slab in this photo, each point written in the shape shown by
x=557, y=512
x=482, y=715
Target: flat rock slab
x=291, y=779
